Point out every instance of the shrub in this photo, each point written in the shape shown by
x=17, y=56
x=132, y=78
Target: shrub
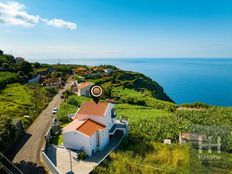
x=7, y=132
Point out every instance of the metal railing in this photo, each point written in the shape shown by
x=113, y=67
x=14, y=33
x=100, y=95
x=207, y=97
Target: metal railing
x=7, y=166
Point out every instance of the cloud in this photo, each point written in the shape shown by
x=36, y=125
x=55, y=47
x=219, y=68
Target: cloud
x=60, y=23
x=14, y=13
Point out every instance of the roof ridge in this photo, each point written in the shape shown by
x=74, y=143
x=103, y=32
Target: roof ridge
x=92, y=121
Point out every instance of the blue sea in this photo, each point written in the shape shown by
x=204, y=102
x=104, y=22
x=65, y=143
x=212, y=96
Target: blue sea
x=184, y=80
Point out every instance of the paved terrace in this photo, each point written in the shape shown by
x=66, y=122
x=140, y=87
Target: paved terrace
x=61, y=157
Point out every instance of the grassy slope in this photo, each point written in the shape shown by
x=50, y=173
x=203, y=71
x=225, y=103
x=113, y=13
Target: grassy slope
x=125, y=95
x=7, y=76
x=137, y=113
x=17, y=100
x=14, y=98
x=143, y=151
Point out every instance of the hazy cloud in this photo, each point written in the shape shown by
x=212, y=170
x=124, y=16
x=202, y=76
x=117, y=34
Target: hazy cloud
x=14, y=13
x=60, y=23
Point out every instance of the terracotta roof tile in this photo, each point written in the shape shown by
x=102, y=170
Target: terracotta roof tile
x=89, y=127
x=73, y=125
x=84, y=84
x=92, y=108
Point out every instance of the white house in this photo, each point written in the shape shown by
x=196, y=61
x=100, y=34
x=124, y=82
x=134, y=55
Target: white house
x=91, y=127
x=186, y=137
x=84, y=89
x=108, y=71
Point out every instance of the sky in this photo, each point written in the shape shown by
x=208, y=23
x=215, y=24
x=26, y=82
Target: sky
x=52, y=29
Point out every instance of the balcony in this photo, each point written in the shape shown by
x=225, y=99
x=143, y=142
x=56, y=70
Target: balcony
x=119, y=125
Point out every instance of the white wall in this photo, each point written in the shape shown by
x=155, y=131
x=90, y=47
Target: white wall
x=109, y=120
x=104, y=139
x=83, y=91
x=76, y=140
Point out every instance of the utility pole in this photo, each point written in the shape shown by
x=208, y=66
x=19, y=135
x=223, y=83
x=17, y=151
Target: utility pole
x=70, y=159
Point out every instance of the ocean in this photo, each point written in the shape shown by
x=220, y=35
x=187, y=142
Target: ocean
x=184, y=80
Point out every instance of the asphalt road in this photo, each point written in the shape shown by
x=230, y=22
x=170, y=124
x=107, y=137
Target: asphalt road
x=28, y=155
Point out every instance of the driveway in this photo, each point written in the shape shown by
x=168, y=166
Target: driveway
x=28, y=155
x=66, y=161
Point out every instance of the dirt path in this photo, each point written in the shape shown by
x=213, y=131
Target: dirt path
x=28, y=156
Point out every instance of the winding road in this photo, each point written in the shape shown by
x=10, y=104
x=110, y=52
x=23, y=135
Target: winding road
x=27, y=157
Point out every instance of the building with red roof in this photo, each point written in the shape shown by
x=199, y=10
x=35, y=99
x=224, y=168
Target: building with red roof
x=91, y=128
x=83, y=89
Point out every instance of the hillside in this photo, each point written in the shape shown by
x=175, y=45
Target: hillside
x=130, y=80
x=152, y=116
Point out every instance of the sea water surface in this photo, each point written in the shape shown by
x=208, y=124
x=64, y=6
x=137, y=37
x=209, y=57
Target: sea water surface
x=184, y=80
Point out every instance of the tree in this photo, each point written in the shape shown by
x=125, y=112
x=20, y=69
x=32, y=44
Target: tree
x=25, y=67
x=10, y=59
x=1, y=52
x=5, y=66
x=37, y=65
x=7, y=132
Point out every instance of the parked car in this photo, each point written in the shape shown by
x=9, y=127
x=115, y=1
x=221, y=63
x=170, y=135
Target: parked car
x=54, y=110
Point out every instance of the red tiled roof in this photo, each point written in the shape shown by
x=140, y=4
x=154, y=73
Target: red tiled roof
x=89, y=127
x=74, y=125
x=84, y=84
x=92, y=108
x=81, y=69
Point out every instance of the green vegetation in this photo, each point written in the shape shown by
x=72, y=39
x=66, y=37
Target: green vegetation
x=146, y=158
x=197, y=105
x=17, y=100
x=130, y=80
x=144, y=98
x=7, y=78
x=143, y=151
x=57, y=139
x=152, y=118
x=136, y=113
x=70, y=106
x=7, y=132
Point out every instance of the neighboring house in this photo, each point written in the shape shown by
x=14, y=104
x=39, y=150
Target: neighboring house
x=92, y=126
x=83, y=89
x=19, y=59
x=53, y=82
x=82, y=71
x=108, y=71
x=191, y=138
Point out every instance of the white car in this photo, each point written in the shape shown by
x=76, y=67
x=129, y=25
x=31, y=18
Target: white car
x=54, y=111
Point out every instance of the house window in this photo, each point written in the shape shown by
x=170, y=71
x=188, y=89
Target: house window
x=113, y=114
